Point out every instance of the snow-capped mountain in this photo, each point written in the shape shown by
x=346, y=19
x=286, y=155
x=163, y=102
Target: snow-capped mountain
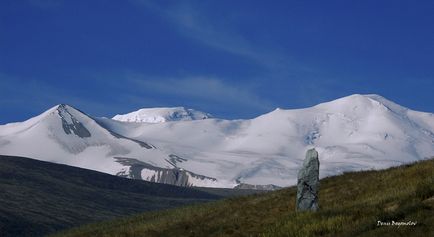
x=357, y=132
x=161, y=115
x=66, y=135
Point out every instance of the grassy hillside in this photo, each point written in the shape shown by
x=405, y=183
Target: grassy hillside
x=37, y=198
x=350, y=205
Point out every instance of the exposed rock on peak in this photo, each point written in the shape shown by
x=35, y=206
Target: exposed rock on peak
x=70, y=124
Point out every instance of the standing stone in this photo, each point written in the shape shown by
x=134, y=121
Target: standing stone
x=308, y=183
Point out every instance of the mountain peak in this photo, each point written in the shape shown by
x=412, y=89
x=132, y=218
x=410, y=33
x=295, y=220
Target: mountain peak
x=58, y=108
x=67, y=107
x=363, y=102
x=162, y=114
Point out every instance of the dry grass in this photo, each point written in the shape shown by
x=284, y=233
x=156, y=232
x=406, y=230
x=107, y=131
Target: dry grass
x=350, y=205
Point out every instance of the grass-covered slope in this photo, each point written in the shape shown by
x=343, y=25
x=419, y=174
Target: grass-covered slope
x=37, y=198
x=350, y=205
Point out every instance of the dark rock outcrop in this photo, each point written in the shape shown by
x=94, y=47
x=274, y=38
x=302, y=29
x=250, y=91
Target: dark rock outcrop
x=265, y=187
x=308, y=183
x=175, y=176
x=70, y=124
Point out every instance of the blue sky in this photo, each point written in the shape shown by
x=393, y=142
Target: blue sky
x=234, y=59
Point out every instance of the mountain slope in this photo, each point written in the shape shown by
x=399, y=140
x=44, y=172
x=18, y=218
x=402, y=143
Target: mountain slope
x=38, y=197
x=357, y=132
x=352, y=133
x=350, y=205
x=66, y=135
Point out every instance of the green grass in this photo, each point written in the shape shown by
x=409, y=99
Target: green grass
x=350, y=205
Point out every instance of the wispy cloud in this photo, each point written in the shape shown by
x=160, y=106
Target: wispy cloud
x=194, y=23
x=209, y=90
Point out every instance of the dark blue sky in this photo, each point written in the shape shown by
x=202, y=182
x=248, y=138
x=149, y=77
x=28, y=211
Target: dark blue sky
x=234, y=59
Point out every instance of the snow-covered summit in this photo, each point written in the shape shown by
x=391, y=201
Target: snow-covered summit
x=361, y=102
x=161, y=115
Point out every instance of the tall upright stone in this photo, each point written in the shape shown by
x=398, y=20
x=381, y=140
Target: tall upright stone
x=308, y=183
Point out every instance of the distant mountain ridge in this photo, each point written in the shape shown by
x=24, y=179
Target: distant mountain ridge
x=356, y=132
